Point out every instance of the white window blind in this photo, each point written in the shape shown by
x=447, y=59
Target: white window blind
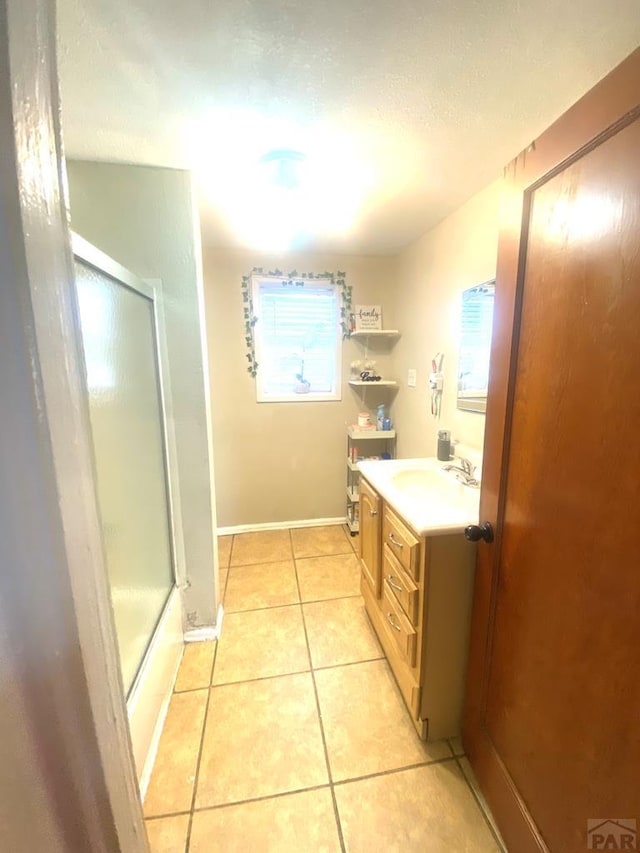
x=297, y=339
x=475, y=345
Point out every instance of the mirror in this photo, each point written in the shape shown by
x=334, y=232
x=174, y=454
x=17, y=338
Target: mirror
x=476, y=324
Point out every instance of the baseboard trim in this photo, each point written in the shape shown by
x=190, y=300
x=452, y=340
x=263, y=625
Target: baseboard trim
x=210, y=632
x=280, y=525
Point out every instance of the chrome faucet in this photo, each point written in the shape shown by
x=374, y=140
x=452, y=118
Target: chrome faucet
x=465, y=472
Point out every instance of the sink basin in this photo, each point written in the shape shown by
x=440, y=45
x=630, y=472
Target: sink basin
x=415, y=481
x=430, y=500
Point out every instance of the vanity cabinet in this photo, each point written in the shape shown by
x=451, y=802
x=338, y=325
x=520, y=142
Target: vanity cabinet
x=418, y=591
x=370, y=528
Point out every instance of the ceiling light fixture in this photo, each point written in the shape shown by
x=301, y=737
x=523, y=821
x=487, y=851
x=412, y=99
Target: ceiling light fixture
x=284, y=167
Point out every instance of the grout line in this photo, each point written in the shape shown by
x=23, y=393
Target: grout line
x=334, y=598
x=284, y=560
x=261, y=799
x=334, y=802
x=252, y=565
x=347, y=663
x=167, y=814
x=228, y=613
x=261, y=609
x=291, y=604
x=416, y=766
x=262, y=678
x=322, y=556
x=280, y=794
x=479, y=803
x=233, y=542
x=223, y=591
x=196, y=778
x=286, y=674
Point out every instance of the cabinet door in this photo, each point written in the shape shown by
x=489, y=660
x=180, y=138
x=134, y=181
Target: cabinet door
x=370, y=527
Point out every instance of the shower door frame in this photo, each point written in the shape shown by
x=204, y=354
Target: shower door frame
x=148, y=698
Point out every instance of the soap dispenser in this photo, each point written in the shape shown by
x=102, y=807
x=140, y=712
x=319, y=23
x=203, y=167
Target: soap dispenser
x=444, y=445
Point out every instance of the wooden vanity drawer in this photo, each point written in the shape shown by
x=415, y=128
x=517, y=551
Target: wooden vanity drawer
x=400, y=584
x=402, y=543
x=398, y=626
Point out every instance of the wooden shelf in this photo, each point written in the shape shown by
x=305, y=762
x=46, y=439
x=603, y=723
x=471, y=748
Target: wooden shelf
x=383, y=383
x=361, y=434
x=375, y=333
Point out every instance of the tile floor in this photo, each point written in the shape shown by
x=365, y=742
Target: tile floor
x=291, y=735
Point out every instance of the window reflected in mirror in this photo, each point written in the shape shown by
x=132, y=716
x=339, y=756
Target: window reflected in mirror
x=476, y=325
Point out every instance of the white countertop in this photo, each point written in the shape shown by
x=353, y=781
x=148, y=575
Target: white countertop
x=429, y=499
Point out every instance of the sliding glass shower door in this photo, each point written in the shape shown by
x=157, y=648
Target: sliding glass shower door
x=125, y=402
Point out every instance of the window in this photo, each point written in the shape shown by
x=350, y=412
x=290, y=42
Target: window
x=297, y=339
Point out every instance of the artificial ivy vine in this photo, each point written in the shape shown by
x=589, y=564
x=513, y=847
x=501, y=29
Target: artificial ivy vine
x=291, y=279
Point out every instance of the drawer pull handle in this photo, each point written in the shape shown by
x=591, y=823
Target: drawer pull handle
x=390, y=581
x=373, y=512
x=391, y=622
x=394, y=541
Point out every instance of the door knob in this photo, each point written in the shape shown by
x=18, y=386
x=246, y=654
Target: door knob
x=475, y=532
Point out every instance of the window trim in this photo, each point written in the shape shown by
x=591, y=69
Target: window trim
x=292, y=397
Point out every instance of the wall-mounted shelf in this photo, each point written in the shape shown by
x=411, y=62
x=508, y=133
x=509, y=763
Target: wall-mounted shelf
x=382, y=383
x=376, y=333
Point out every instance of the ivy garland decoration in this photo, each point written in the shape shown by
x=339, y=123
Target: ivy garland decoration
x=291, y=279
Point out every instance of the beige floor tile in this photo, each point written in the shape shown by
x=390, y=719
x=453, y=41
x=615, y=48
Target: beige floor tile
x=352, y=539
x=328, y=577
x=261, y=738
x=295, y=822
x=340, y=632
x=261, y=585
x=261, y=643
x=264, y=546
x=320, y=541
x=470, y=776
x=168, y=834
x=425, y=809
x=224, y=550
x=171, y=784
x=195, y=667
x=366, y=724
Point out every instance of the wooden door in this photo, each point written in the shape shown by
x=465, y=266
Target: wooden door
x=370, y=526
x=552, y=721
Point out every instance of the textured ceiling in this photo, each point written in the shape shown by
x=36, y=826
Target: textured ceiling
x=417, y=103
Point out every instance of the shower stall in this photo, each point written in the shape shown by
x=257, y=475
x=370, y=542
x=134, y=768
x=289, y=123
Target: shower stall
x=122, y=331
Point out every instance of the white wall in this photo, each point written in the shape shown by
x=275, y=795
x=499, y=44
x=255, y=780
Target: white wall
x=144, y=218
x=285, y=461
x=280, y=461
x=431, y=274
